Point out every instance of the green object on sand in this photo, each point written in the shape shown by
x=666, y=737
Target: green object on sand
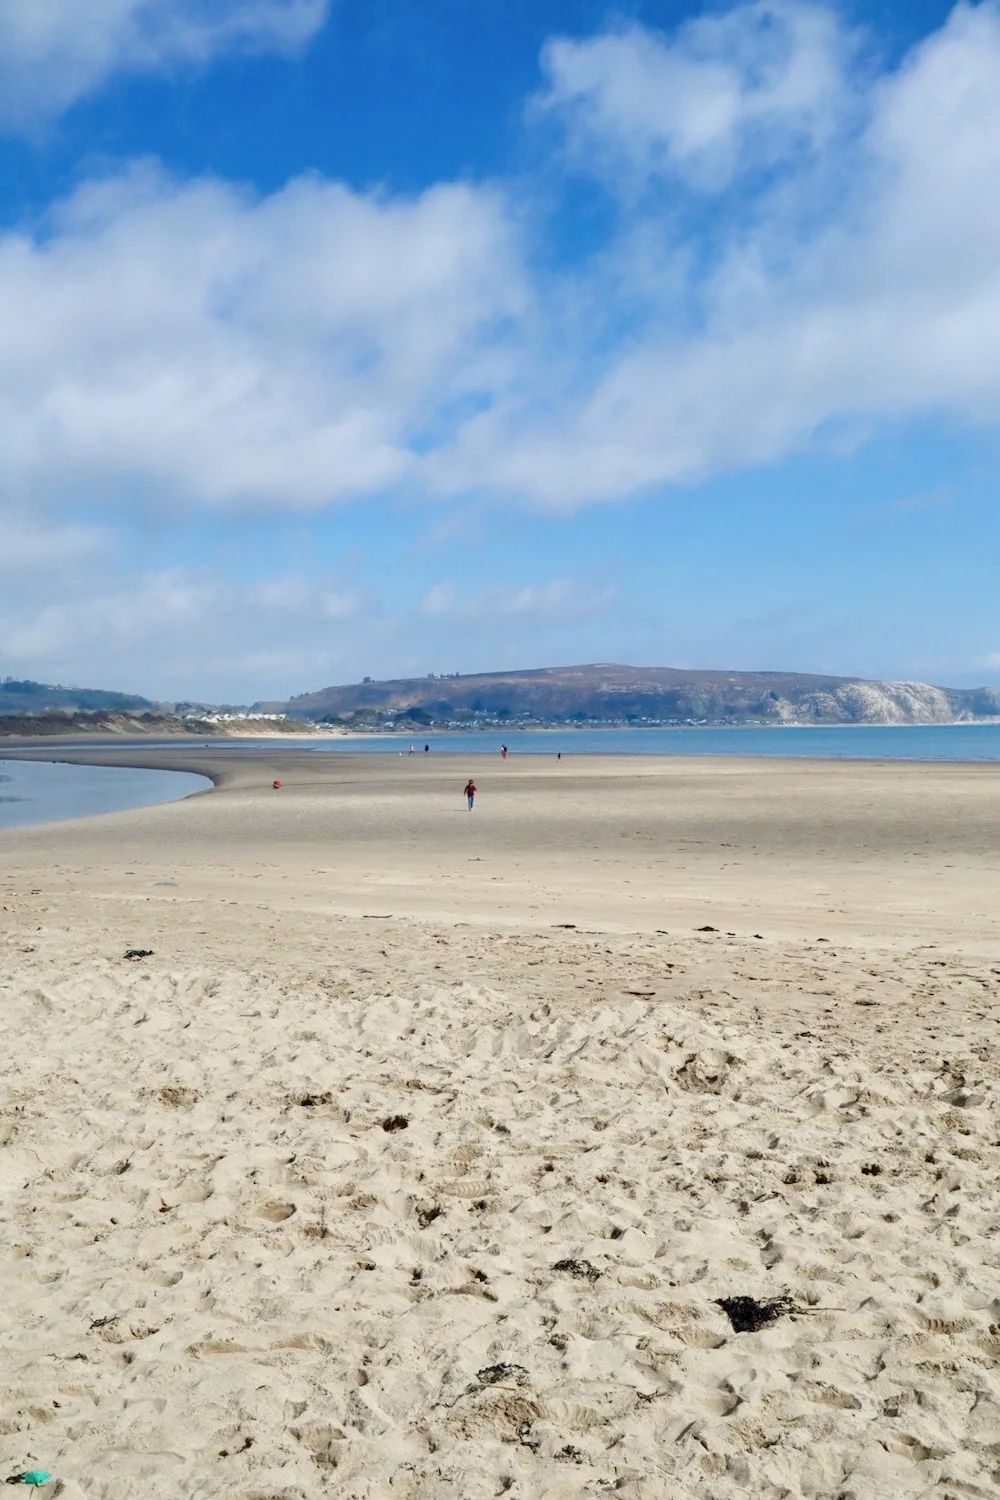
x=33, y=1476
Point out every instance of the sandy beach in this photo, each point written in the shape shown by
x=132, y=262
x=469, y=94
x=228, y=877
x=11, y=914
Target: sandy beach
x=416, y=1155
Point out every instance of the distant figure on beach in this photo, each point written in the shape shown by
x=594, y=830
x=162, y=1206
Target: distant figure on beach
x=470, y=792
x=426, y=749
x=559, y=756
x=503, y=752
x=410, y=751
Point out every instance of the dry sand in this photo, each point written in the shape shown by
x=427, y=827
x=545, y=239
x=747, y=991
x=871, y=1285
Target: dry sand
x=225, y=1277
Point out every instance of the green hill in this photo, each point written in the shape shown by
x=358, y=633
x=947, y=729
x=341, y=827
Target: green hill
x=27, y=697
x=609, y=693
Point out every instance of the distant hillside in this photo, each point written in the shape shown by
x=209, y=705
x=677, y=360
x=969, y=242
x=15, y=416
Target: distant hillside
x=99, y=721
x=611, y=694
x=136, y=725
x=41, y=697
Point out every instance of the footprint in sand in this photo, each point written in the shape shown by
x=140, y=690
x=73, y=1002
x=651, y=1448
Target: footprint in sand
x=276, y=1213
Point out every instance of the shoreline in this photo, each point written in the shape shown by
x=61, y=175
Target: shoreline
x=189, y=758
x=901, y=846
x=429, y=733
x=41, y=791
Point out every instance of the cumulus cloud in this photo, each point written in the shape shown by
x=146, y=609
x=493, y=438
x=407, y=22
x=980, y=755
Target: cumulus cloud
x=864, y=286
x=54, y=52
x=748, y=86
x=188, y=341
x=185, y=342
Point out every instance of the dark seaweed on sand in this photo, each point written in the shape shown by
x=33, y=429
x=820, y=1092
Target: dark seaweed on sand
x=580, y=1268
x=503, y=1373
x=747, y=1315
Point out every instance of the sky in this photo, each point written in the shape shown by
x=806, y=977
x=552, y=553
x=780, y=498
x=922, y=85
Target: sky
x=387, y=337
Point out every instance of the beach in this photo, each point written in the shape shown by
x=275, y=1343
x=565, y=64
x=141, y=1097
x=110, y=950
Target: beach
x=418, y=1150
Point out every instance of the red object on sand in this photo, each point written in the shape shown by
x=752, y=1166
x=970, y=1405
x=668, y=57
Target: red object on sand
x=276, y=784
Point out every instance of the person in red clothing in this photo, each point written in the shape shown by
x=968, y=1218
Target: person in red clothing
x=470, y=792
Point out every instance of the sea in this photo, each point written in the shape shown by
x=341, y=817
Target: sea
x=39, y=792
x=963, y=742
x=42, y=792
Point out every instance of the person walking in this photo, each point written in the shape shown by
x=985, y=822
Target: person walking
x=470, y=792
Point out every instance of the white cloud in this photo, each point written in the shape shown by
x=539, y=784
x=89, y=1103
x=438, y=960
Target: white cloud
x=759, y=81
x=186, y=343
x=193, y=343
x=54, y=52
x=865, y=286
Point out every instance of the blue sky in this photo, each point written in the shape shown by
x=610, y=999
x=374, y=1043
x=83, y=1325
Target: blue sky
x=398, y=337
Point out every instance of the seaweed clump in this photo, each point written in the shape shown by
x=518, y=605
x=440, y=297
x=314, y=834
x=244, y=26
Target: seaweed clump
x=747, y=1315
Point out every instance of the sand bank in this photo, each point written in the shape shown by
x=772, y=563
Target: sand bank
x=227, y=1277
x=873, y=850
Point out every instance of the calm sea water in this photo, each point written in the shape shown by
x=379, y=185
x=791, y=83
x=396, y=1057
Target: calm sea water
x=37, y=792
x=968, y=742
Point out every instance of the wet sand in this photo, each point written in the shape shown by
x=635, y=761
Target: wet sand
x=879, y=850
x=228, y=1278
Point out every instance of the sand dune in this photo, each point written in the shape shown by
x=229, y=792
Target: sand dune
x=441, y=1200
